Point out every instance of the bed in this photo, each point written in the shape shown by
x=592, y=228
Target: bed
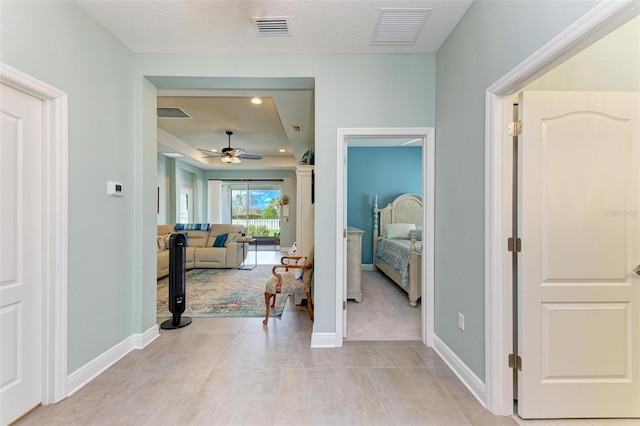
x=397, y=245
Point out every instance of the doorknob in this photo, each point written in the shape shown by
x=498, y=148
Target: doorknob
x=637, y=270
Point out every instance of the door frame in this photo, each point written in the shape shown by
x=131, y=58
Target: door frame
x=427, y=134
x=55, y=228
x=600, y=21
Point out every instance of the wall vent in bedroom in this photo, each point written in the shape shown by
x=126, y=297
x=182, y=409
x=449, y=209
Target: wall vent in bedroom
x=296, y=128
x=172, y=112
x=272, y=26
x=400, y=27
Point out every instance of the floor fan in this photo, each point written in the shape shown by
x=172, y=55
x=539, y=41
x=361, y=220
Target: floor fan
x=177, y=282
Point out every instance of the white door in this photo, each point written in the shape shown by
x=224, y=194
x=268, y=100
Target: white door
x=579, y=209
x=20, y=253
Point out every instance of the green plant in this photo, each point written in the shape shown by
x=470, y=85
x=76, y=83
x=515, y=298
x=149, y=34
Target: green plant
x=258, y=231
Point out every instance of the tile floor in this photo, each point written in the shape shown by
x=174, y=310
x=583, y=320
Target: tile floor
x=235, y=371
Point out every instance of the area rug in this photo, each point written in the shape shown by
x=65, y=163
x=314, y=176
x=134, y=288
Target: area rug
x=223, y=293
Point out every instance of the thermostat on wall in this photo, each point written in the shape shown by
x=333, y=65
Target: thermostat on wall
x=114, y=188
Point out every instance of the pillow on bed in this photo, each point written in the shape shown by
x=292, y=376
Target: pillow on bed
x=418, y=233
x=398, y=230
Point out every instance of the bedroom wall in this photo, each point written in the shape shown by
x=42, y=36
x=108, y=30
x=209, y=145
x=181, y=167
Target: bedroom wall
x=611, y=64
x=59, y=44
x=385, y=171
x=490, y=40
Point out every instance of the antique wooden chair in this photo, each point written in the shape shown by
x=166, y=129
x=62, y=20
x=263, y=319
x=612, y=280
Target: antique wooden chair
x=292, y=275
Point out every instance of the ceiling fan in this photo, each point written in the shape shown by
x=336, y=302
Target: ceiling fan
x=231, y=155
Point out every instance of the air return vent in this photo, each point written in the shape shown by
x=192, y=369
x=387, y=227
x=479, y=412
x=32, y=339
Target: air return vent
x=172, y=112
x=400, y=27
x=296, y=128
x=272, y=26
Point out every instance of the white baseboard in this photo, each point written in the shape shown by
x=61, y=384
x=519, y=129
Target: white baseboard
x=464, y=373
x=323, y=340
x=83, y=375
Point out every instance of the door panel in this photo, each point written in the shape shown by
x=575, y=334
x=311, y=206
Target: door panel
x=579, y=205
x=20, y=253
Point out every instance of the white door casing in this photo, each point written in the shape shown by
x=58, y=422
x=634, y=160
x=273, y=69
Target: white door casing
x=54, y=225
x=21, y=273
x=427, y=134
x=579, y=299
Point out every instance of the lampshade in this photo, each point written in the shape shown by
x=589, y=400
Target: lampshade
x=230, y=160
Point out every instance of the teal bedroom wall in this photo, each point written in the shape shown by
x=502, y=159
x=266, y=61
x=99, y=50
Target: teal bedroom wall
x=59, y=44
x=385, y=171
x=491, y=39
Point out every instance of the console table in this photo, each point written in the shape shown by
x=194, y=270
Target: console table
x=246, y=242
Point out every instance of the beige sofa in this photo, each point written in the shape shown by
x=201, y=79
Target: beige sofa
x=200, y=251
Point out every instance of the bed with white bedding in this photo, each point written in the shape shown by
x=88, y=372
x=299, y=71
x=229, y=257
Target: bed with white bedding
x=397, y=242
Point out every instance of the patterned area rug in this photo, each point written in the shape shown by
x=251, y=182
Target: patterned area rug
x=223, y=293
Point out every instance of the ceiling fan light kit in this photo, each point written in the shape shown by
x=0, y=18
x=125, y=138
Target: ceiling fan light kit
x=232, y=155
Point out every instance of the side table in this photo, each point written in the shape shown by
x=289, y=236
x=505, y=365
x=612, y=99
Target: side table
x=246, y=242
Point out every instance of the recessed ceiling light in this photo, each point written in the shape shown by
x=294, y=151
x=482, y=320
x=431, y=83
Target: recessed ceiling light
x=256, y=101
x=173, y=154
x=283, y=150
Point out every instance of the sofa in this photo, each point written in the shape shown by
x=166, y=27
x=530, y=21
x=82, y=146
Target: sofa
x=200, y=251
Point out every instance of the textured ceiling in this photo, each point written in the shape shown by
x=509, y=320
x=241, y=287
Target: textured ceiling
x=316, y=26
x=217, y=105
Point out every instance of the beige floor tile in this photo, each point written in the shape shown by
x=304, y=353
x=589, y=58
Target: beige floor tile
x=388, y=356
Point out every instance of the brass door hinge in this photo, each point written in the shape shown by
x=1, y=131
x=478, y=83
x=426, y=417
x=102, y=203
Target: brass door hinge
x=514, y=244
x=515, y=361
x=515, y=128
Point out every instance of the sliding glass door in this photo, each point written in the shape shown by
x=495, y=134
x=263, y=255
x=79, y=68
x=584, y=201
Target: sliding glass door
x=255, y=205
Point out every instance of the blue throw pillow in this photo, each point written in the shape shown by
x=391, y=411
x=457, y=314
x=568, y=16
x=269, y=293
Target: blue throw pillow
x=220, y=240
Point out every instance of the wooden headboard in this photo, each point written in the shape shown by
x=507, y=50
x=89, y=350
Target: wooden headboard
x=406, y=208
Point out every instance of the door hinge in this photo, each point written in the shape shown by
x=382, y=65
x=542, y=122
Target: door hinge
x=515, y=128
x=344, y=233
x=514, y=244
x=515, y=361
x=344, y=305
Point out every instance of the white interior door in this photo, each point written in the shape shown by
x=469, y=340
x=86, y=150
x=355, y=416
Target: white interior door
x=20, y=253
x=579, y=312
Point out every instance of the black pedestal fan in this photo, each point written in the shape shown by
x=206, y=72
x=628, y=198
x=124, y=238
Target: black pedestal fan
x=177, y=282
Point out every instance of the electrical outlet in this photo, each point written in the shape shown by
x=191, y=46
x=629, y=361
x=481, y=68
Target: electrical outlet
x=460, y=321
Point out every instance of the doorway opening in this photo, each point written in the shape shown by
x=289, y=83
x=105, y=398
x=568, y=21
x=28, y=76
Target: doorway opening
x=499, y=339
x=426, y=138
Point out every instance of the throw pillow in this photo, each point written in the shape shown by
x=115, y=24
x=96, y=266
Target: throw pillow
x=231, y=238
x=220, y=240
x=398, y=230
x=291, y=252
x=297, y=273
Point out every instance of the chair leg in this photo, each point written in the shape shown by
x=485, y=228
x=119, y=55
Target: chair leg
x=267, y=296
x=310, y=305
x=273, y=300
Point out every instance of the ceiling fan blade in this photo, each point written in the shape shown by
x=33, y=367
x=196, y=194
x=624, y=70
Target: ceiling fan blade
x=250, y=157
x=236, y=152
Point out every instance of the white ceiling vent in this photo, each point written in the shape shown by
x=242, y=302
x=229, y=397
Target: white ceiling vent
x=172, y=112
x=400, y=27
x=272, y=26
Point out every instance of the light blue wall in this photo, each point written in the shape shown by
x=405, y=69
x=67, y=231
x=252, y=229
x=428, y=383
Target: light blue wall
x=112, y=136
x=387, y=172
x=396, y=90
x=57, y=43
x=490, y=40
